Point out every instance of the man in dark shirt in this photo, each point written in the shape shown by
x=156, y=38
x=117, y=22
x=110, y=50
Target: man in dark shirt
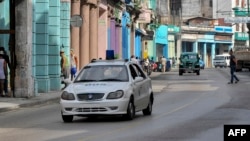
x=233, y=64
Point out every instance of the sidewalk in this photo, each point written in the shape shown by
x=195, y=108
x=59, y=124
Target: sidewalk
x=11, y=103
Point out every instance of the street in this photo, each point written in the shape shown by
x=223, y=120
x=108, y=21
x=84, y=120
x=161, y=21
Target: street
x=186, y=108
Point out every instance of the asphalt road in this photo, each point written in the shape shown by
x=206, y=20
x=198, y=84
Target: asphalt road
x=186, y=108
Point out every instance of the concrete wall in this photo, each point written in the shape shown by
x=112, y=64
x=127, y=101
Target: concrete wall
x=191, y=8
x=206, y=8
x=223, y=8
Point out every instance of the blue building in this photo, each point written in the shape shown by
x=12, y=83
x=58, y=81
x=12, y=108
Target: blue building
x=42, y=29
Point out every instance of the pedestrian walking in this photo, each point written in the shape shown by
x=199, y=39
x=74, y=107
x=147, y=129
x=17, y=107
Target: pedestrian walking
x=233, y=63
x=65, y=66
x=73, y=64
x=3, y=72
x=133, y=59
x=7, y=60
x=163, y=63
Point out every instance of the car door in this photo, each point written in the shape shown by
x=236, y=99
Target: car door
x=145, y=87
x=137, y=87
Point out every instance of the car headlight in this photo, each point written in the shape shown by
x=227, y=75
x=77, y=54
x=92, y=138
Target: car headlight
x=67, y=96
x=115, y=95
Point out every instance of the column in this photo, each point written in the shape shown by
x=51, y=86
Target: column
x=75, y=31
x=205, y=54
x=54, y=46
x=195, y=47
x=178, y=48
x=84, y=35
x=65, y=26
x=132, y=38
x=24, y=82
x=42, y=46
x=117, y=42
x=212, y=53
x=93, y=33
x=112, y=34
x=120, y=43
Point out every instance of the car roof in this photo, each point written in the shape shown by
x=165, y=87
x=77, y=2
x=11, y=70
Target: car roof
x=109, y=62
x=223, y=55
x=189, y=53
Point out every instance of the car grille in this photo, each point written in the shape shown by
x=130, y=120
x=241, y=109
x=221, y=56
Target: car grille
x=96, y=109
x=90, y=96
x=189, y=64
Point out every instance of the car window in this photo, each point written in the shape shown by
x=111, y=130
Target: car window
x=139, y=71
x=188, y=56
x=133, y=71
x=219, y=58
x=103, y=73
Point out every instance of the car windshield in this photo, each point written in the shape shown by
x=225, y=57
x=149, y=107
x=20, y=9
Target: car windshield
x=103, y=73
x=219, y=58
x=189, y=56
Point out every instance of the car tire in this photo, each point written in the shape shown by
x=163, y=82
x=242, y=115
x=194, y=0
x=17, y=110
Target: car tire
x=198, y=72
x=148, y=110
x=67, y=118
x=180, y=72
x=130, y=111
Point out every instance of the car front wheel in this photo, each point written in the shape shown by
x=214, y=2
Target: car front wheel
x=130, y=111
x=198, y=72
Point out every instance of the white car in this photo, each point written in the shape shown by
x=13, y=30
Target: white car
x=221, y=60
x=108, y=87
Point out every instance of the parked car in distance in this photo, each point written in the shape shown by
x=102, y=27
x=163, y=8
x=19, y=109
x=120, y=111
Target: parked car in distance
x=202, y=64
x=108, y=87
x=189, y=63
x=221, y=60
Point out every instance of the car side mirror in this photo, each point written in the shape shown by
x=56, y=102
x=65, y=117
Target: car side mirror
x=138, y=79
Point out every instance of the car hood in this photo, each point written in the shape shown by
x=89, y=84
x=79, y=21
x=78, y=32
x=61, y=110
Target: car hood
x=96, y=87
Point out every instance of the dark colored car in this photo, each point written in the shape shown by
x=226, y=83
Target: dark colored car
x=189, y=63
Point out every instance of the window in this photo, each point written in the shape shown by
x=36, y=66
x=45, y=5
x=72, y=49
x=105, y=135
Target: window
x=237, y=27
x=243, y=28
x=211, y=3
x=132, y=71
x=139, y=71
x=100, y=72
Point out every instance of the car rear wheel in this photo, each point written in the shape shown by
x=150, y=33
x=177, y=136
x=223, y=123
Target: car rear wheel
x=130, y=111
x=67, y=118
x=148, y=110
